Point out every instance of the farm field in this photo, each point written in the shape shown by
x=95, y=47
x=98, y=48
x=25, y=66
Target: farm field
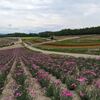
x=87, y=45
x=33, y=40
x=92, y=51
x=29, y=75
x=49, y=50
x=7, y=41
x=82, y=41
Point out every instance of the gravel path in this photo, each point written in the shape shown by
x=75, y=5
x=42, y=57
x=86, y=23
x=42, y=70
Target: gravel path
x=61, y=53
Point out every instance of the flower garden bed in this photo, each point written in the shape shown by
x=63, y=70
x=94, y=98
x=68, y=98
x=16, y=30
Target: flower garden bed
x=36, y=76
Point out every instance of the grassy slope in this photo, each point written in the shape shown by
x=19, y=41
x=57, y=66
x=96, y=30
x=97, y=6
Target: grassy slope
x=34, y=39
x=81, y=41
x=94, y=51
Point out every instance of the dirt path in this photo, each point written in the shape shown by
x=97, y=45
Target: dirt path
x=61, y=53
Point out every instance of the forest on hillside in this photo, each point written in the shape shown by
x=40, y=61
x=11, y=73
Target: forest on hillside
x=63, y=32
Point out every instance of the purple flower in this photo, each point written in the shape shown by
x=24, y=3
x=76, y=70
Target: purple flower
x=66, y=93
x=57, y=82
x=81, y=79
x=18, y=94
x=89, y=72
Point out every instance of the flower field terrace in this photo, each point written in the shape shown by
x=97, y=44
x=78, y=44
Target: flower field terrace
x=78, y=74
x=29, y=75
x=81, y=45
x=16, y=83
x=6, y=60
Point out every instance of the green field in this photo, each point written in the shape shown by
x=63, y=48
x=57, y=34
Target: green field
x=84, y=44
x=93, y=51
x=90, y=40
x=33, y=40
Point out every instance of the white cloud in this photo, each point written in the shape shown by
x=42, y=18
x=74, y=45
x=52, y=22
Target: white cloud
x=91, y=9
x=48, y=13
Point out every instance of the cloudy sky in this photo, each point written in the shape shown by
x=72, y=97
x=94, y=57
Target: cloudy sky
x=43, y=15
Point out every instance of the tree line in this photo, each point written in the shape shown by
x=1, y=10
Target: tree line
x=82, y=31
x=19, y=35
